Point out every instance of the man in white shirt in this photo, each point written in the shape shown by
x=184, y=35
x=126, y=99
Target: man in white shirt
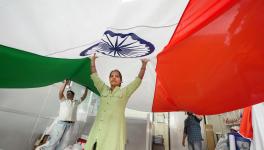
x=61, y=133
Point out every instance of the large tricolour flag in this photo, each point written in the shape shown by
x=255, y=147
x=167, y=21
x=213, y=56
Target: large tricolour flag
x=206, y=55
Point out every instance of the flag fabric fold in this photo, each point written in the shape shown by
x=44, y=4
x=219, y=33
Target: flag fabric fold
x=22, y=69
x=219, y=67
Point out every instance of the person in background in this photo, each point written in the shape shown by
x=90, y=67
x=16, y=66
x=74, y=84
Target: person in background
x=61, y=133
x=192, y=130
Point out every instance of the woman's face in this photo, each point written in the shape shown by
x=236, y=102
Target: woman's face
x=115, y=79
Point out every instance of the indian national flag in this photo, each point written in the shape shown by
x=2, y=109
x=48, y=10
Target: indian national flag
x=206, y=55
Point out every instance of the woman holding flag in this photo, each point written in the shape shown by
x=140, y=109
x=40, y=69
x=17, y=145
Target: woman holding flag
x=109, y=129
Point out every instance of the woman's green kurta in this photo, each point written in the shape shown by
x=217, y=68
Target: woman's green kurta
x=109, y=128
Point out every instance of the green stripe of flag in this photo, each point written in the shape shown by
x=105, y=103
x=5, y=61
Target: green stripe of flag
x=20, y=69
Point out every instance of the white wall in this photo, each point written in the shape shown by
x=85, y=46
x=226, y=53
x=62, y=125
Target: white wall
x=176, y=130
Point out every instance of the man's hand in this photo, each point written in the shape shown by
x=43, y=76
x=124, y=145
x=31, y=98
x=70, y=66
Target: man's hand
x=67, y=81
x=84, y=94
x=184, y=137
x=200, y=117
x=93, y=68
x=183, y=143
x=62, y=88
